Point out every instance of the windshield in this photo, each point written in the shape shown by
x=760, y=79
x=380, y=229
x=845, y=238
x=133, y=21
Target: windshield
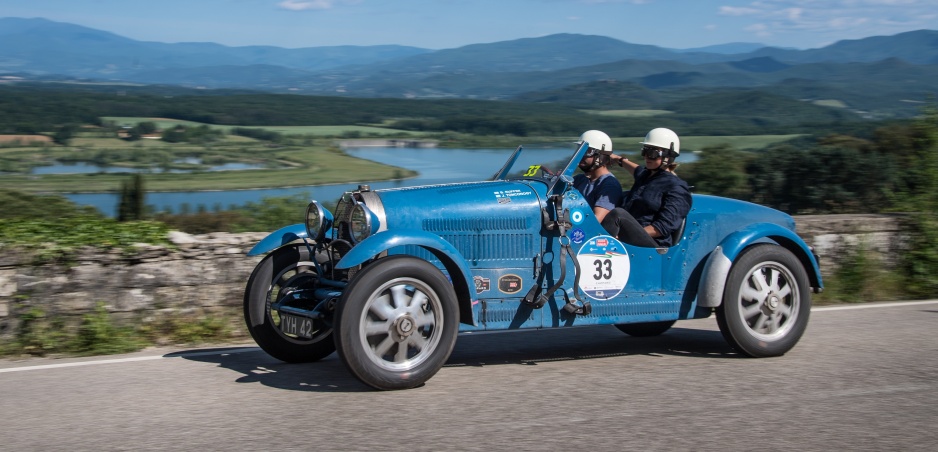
x=540, y=161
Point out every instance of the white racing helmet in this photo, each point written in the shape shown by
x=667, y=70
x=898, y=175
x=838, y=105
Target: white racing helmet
x=600, y=148
x=665, y=139
x=598, y=140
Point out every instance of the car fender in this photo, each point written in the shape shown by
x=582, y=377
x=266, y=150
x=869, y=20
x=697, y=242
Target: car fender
x=452, y=260
x=279, y=238
x=718, y=265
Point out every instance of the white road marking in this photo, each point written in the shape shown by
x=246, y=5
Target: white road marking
x=254, y=349
x=873, y=305
x=130, y=360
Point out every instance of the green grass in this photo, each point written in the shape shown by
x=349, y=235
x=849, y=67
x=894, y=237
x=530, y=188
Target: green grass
x=318, y=131
x=42, y=333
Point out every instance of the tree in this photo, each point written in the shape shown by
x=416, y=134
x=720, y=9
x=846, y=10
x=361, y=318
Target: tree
x=132, y=205
x=719, y=171
x=919, y=261
x=64, y=134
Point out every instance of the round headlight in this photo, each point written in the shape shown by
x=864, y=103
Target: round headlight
x=318, y=220
x=362, y=222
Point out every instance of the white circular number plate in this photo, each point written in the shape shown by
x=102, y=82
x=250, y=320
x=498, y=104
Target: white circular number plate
x=604, y=267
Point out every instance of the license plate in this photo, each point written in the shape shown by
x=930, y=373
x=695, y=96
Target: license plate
x=296, y=326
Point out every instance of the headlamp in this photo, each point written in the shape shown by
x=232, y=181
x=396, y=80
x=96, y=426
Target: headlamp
x=362, y=222
x=318, y=220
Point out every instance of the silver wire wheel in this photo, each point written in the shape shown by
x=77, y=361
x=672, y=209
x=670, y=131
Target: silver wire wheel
x=769, y=301
x=400, y=325
x=396, y=324
x=766, y=303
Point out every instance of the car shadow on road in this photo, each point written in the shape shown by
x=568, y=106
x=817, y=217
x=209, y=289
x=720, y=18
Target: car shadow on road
x=531, y=347
x=486, y=349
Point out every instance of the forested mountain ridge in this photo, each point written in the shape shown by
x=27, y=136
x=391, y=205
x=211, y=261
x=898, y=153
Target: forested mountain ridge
x=878, y=77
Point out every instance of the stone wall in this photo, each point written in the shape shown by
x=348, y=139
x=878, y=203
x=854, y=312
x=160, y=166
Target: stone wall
x=206, y=273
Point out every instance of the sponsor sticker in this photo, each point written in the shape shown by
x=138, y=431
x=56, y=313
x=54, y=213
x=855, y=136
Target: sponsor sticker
x=604, y=266
x=509, y=284
x=482, y=284
x=512, y=192
x=577, y=235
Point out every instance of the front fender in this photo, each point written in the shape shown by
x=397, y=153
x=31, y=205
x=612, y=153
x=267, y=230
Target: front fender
x=279, y=238
x=718, y=265
x=386, y=240
x=457, y=267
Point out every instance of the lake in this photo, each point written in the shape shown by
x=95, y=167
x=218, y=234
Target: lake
x=434, y=165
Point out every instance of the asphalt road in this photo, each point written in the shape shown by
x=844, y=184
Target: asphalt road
x=862, y=378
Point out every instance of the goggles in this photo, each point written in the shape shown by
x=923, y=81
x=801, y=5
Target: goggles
x=591, y=152
x=653, y=152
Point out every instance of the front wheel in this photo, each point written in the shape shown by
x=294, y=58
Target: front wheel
x=396, y=324
x=766, y=303
x=286, y=273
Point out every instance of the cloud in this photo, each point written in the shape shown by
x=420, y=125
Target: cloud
x=738, y=11
x=824, y=17
x=296, y=5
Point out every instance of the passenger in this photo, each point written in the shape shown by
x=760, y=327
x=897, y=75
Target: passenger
x=658, y=202
x=597, y=184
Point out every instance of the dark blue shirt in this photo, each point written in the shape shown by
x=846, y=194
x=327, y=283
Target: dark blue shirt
x=660, y=199
x=604, y=192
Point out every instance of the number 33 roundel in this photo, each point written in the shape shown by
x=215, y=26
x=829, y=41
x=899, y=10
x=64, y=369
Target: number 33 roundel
x=604, y=267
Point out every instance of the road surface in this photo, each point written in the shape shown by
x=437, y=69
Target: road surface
x=864, y=377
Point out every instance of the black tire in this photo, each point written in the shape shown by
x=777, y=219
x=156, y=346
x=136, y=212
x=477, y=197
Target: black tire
x=284, y=269
x=766, y=303
x=647, y=329
x=387, y=341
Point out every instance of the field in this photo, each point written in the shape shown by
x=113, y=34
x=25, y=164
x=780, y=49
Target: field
x=309, y=156
x=318, y=131
x=11, y=139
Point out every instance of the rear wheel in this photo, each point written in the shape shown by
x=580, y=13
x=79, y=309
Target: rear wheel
x=647, y=329
x=766, y=303
x=286, y=272
x=396, y=323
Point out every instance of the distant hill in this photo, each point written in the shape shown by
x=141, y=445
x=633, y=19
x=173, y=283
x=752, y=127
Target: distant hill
x=917, y=47
x=877, y=77
x=44, y=46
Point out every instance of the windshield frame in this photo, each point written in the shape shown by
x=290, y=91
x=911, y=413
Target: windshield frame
x=567, y=171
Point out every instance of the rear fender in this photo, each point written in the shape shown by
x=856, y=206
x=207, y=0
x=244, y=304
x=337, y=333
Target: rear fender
x=279, y=238
x=456, y=266
x=718, y=265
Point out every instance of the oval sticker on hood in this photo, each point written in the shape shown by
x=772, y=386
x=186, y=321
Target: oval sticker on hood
x=509, y=284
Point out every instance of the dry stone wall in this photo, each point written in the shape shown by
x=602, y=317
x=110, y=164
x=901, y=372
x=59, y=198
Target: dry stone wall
x=205, y=273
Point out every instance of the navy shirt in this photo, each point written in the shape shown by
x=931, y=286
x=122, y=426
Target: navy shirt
x=660, y=199
x=604, y=192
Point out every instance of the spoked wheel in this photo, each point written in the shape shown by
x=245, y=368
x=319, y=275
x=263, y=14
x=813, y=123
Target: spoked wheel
x=647, y=329
x=766, y=303
x=286, y=275
x=396, y=323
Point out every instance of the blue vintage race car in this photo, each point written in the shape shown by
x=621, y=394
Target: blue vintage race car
x=392, y=276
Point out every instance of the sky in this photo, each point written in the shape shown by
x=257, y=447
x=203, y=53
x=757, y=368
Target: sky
x=444, y=24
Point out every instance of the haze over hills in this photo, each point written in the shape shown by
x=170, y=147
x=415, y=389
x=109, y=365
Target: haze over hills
x=887, y=75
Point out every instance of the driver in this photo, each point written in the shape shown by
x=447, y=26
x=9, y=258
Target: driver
x=599, y=186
